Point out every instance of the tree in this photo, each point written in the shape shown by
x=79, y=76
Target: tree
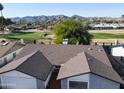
x=1, y=8
x=72, y=30
x=5, y=22
x=8, y=22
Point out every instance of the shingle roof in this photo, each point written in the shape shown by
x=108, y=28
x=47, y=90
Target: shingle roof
x=14, y=64
x=37, y=60
x=34, y=64
x=14, y=48
x=59, y=54
x=11, y=47
x=102, y=69
x=85, y=63
x=5, y=49
x=74, y=66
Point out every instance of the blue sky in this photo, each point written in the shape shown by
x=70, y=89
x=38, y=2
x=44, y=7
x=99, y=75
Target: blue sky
x=83, y=9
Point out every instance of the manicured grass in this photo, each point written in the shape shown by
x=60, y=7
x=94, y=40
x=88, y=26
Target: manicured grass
x=107, y=36
x=23, y=35
x=30, y=36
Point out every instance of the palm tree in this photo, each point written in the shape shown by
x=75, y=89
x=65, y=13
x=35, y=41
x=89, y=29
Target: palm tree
x=1, y=8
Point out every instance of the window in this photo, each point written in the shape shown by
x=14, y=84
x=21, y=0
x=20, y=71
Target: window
x=77, y=85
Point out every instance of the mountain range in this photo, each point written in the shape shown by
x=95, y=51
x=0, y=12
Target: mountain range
x=44, y=18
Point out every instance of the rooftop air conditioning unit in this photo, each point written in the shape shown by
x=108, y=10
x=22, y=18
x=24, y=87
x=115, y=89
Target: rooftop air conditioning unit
x=22, y=41
x=6, y=43
x=65, y=41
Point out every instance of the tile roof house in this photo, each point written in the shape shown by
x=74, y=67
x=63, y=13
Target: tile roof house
x=81, y=66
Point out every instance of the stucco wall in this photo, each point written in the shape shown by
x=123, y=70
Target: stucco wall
x=63, y=83
x=94, y=82
x=40, y=84
x=83, y=78
x=97, y=82
x=18, y=80
x=43, y=84
x=9, y=57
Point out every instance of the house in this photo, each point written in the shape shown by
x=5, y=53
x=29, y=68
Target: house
x=104, y=26
x=61, y=67
x=9, y=51
x=31, y=71
x=91, y=74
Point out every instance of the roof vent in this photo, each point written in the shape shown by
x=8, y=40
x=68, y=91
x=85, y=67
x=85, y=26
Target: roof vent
x=89, y=59
x=62, y=64
x=65, y=41
x=5, y=43
x=22, y=41
x=99, y=50
x=90, y=48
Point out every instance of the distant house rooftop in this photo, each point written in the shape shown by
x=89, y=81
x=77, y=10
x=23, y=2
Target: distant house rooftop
x=9, y=47
x=104, y=25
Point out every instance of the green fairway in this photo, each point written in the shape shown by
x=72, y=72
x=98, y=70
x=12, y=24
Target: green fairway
x=23, y=35
x=30, y=36
x=107, y=36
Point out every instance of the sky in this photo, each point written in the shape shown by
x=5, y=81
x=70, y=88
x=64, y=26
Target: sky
x=68, y=9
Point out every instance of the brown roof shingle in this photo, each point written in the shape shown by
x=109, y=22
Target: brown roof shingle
x=59, y=54
x=85, y=63
x=74, y=66
x=34, y=64
x=76, y=59
x=14, y=64
x=11, y=47
x=5, y=49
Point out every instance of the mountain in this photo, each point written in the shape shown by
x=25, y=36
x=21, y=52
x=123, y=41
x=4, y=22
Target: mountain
x=77, y=17
x=41, y=18
x=44, y=18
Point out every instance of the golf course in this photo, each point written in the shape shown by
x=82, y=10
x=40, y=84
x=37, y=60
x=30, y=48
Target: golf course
x=23, y=35
x=97, y=36
x=107, y=36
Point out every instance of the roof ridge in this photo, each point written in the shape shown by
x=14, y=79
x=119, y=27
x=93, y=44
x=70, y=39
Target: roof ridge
x=96, y=59
x=83, y=62
x=31, y=54
x=13, y=62
x=13, y=44
x=87, y=60
x=26, y=55
x=74, y=56
x=99, y=73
